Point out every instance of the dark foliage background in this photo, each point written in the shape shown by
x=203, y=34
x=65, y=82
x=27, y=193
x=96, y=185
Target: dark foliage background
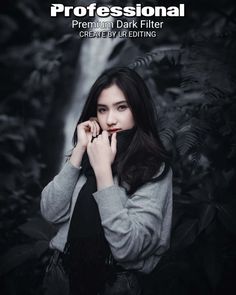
x=191, y=71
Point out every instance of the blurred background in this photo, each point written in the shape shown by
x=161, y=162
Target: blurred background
x=46, y=71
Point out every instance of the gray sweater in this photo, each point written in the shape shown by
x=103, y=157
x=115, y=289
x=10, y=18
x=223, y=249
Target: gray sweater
x=137, y=228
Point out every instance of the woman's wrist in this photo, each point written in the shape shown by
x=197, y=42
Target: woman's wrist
x=77, y=155
x=104, y=177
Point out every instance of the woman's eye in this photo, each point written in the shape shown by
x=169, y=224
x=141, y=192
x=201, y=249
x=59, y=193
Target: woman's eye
x=122, y=107
x=101, y=110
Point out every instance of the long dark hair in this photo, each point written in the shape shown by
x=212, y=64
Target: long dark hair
x=146, y=152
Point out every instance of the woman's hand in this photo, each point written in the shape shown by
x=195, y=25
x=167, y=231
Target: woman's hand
x=101, y=153
x=85, y=131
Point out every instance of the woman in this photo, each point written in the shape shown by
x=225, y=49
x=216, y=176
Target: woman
x=113, y=198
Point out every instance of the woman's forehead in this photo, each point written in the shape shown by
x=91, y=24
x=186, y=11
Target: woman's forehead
x=111, y=95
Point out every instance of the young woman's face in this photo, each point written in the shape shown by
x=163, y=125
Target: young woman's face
x=113, y=112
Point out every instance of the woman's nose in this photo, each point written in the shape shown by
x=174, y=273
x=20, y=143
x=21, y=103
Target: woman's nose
x=111, y=120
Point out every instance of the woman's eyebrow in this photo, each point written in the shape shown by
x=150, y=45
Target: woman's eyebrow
x=118, y=102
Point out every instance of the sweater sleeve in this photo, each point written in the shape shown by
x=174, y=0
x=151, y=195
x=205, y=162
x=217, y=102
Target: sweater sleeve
x=56, y=196
x=133, y=230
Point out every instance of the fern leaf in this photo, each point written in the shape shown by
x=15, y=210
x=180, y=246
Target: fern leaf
x=167, y=136
x=186, y=142
x=157, y=55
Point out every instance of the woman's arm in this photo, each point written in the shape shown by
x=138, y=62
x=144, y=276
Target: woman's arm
x=56, y=196
x=134, y=227
x=136, y=230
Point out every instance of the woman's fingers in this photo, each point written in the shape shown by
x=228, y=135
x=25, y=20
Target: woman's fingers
x=89, y=136
x=102, y=138
x=100, y=150
x=93, y=119
x=88, y=126
x=93, y=129
x=96, y=127
x=91, y=126
x=113, y=143
x=86, y=131
x=105, y=136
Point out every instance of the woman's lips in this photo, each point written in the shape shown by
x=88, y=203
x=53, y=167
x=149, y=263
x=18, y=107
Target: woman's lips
x=114, y=130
